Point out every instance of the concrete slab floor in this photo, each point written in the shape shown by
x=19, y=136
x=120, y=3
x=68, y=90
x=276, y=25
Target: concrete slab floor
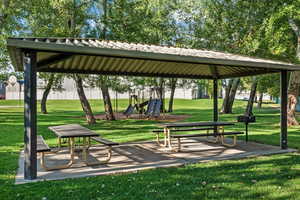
x=132, y=157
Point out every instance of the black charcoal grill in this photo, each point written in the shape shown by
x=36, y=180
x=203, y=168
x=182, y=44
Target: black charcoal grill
x=246, y=119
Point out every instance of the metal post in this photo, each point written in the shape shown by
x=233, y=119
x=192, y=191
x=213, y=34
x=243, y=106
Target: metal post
x=216, y=114
x=30, y=125
x=215, y=95
x=283, y=113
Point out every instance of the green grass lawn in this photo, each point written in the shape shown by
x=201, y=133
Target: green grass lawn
x=271, y=177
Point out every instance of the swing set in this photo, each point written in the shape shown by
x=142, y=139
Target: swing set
x=138, y=104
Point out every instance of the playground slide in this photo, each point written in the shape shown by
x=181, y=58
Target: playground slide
x=156, y=111
x=153, y=109
x=129, y=110
x=150, y=107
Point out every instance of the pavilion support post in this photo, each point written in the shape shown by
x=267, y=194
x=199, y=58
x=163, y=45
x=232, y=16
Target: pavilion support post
x=30, y=122
x=283, y=109
x=215, y=96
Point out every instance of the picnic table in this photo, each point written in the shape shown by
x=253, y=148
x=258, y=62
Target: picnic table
x=70, y=132
x=217, y=127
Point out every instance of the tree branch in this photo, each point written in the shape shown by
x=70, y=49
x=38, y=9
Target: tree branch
x=294, y=26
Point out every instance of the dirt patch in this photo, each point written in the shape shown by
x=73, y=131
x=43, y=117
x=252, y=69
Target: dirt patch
x=162, y=117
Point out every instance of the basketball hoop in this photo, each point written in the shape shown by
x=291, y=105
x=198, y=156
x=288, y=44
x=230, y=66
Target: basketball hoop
x=12, y=80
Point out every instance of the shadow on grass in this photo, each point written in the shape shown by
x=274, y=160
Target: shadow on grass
x=242, y=179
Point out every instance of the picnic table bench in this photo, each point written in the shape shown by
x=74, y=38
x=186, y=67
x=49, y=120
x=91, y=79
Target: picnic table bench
x=42, y=149
x=217, y=127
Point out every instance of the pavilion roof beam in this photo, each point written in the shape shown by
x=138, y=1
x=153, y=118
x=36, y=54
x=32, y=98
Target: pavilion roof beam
x=53, y=60
x=112, y=73
x=214, y=71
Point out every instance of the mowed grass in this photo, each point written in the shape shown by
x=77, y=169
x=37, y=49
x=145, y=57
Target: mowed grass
x=272, y=177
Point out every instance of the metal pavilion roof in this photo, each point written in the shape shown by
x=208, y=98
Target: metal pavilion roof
x=93, y=56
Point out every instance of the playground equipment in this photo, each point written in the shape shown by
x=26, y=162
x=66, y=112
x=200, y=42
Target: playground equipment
x=153, y=106
x=153, y=109
x=134, y=104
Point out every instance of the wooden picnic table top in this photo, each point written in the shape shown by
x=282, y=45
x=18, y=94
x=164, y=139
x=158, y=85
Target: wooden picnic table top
x=196, y=124
x=72, y=130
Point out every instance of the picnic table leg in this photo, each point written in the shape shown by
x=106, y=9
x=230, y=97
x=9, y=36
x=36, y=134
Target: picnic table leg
x=179, y=145
x=222, y=139
x=169, y=139
x=158, y=141
x=212, y=141
x=84, y=150
x=85, y=154
x=165, y=136
x=71, y=162
x=89, y=142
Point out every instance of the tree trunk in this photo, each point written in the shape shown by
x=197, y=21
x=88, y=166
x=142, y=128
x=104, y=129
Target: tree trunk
x=173, y=87
x=260, y=100
x=106, y=99
x=293, y=93
x=46, y=93
x=160, y=94
x=226, y=98
x=251, y=98
x=232, y=94
x=83, y=100
x=294, y=84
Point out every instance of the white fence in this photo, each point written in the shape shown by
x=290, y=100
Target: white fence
x=69, y=92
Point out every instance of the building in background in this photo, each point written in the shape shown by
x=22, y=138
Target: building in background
x=68, y=91
x=2, y=90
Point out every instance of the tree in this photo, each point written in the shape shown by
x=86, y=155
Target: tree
x=249, y=107
x=53, y=81
x=119, y=21
x=11, y=11
x=172, y=85
x=106, y=98
x=59, y=19
x=230, y=92
x=83, y=100
x=282, y=36
x=266, y=85
x=76, y=18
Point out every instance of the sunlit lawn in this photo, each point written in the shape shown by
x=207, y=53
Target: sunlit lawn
x=272, y=177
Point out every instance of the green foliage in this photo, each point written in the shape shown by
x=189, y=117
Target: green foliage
x=269, y=84
x=11, y=13
x=156, y=27
x=280, y=38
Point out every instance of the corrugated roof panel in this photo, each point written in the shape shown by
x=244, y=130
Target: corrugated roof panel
x=132, y=63
x=107, y=65
x=101, y=63
x=68, y=63
x=97, y=65
x=137, y=66
x=152, y=68
x=82, y=62
x=116, y=64
x=120, y=63
x=98, y=56
x=198, y=70
x=173, y=68
x=89, y=63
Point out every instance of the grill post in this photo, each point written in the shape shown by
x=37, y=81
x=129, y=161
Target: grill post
x=215, y=96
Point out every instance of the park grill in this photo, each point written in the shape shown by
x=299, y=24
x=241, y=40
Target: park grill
x=246, y=119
